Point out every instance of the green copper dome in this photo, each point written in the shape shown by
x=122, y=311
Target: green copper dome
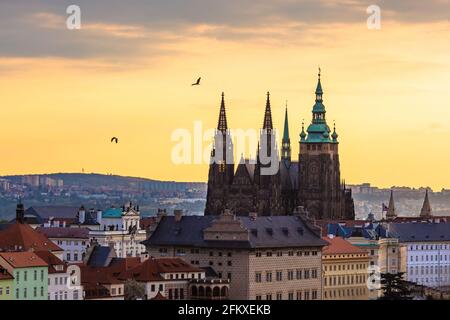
x=318, y=130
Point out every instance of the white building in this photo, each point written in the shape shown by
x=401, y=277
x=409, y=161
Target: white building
x=74, y=241
x=120, y=228
x=425, y=251
x=63, y=280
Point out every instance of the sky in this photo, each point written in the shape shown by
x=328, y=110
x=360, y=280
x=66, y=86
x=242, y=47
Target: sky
x=128, y=72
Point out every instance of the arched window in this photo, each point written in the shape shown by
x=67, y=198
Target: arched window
x=208, y=292
x=194, y=291
x=201, y=291
x=224, y=292
x=216, y=291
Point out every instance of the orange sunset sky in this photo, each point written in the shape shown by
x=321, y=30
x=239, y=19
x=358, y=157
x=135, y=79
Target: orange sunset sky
x=127, y=73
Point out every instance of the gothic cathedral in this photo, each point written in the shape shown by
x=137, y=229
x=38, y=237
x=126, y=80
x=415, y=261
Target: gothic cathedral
x=313, y=182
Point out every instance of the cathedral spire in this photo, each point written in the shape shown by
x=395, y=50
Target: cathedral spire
x=426, y=207
x=391, y=208
x=286, y=141
x=268, y=115
x=222, y=125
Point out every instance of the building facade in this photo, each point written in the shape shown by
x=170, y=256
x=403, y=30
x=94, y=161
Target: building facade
x=345, y=271
x=313, y=181
x=30, y=275
x=264, y=258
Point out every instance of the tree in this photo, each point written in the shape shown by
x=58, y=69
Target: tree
x=134, y=290
x=394, y=287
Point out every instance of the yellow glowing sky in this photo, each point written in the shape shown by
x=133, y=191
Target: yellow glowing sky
x=388, y=91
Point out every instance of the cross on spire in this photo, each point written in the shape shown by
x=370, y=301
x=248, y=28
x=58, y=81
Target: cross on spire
x=222, y=125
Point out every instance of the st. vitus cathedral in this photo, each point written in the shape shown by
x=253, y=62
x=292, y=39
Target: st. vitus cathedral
x=313, y=182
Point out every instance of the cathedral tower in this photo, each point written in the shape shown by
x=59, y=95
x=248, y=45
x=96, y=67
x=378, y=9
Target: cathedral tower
x=320, y=188
x=221, y=168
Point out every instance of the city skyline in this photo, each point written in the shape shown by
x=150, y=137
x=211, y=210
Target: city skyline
x=130, y=76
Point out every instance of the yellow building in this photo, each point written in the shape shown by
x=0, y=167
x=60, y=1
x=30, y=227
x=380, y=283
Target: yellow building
x=344, y=270
x=6, y=284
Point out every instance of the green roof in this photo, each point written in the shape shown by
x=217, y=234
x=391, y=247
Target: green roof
x=112, y=213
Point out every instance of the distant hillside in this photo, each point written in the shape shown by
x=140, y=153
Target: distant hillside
x=94, y=180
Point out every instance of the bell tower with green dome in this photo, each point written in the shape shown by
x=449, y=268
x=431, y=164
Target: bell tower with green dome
x=320, y=189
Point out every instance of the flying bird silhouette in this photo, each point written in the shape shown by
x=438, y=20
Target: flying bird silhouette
x=114, y=139
x=197, y=83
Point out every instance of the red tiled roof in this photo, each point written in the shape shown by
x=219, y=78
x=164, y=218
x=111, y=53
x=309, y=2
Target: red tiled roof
x=23, y=259
x=98, y=275
x=151, y=269
x=52, y=261
x=147, y=222
x=339, y=245
x=19, y=236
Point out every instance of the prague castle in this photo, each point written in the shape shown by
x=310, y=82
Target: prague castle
x=313, y=182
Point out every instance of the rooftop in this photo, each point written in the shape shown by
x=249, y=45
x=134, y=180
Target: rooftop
x=23, y=259
x=57, y=232
x=18, y=236
x=338, y=245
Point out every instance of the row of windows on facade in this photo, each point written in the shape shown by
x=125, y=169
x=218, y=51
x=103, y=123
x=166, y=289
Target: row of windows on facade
x=433, y=257
x=176, y=294
x=348, y=293
x=344, y=280
x=429, y=270
x=178, y=276
x=429, y=247
x=6, y=291
x=25, y=276
x=70, y=242
x=437, y=280
x=299, y=275
x=290, y=253
x=74, y=256
x=64, y=295
x=339, y=267
x=299, y=295
x=58, y=281
x=25, y=293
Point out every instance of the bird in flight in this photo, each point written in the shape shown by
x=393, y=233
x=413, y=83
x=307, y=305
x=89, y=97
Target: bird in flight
x=114, y=139
x=197, y=83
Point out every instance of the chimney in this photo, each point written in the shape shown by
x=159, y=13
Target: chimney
x=99, y=216
x=81, y=215
x=20, y=212
x=178, y=214
x=144, y=256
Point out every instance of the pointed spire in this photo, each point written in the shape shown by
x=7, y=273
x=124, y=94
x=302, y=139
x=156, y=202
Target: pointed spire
x=268, y=115
x=303, y=133
x=319, y=91
x=286, y=126
x=334, y=135
x=286, y=142
x=391, y=208
x=426, y=207
x=222, y=125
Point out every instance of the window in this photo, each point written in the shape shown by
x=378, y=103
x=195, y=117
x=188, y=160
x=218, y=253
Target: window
x=279, y=275
x=314, y=294
x=290, y=274
x=299, y=295
x=75, y=295
x=299, y=253
x=269, y=253
x=35, y=292
x=279, y=253
x=291, y=295
x=306, y=274
x=25, y=273
x=211, y=253
x=314, y=253
x=269, y=296
x=17, y=293
x=153, y=287
x=299, y=274
x=314, y=273
x=42, y=291
x=258, y=277
x=269, y=276
x=25, y=292
x=229, y=275
x=258, y=297
x=229, y=263
x=35, y=275
x=42, y=275
x=17, y=277
x=279, y=296
x=290, y=253
x=7, y=291
x=306, y=295
x=258, y=254
x=68, y=256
